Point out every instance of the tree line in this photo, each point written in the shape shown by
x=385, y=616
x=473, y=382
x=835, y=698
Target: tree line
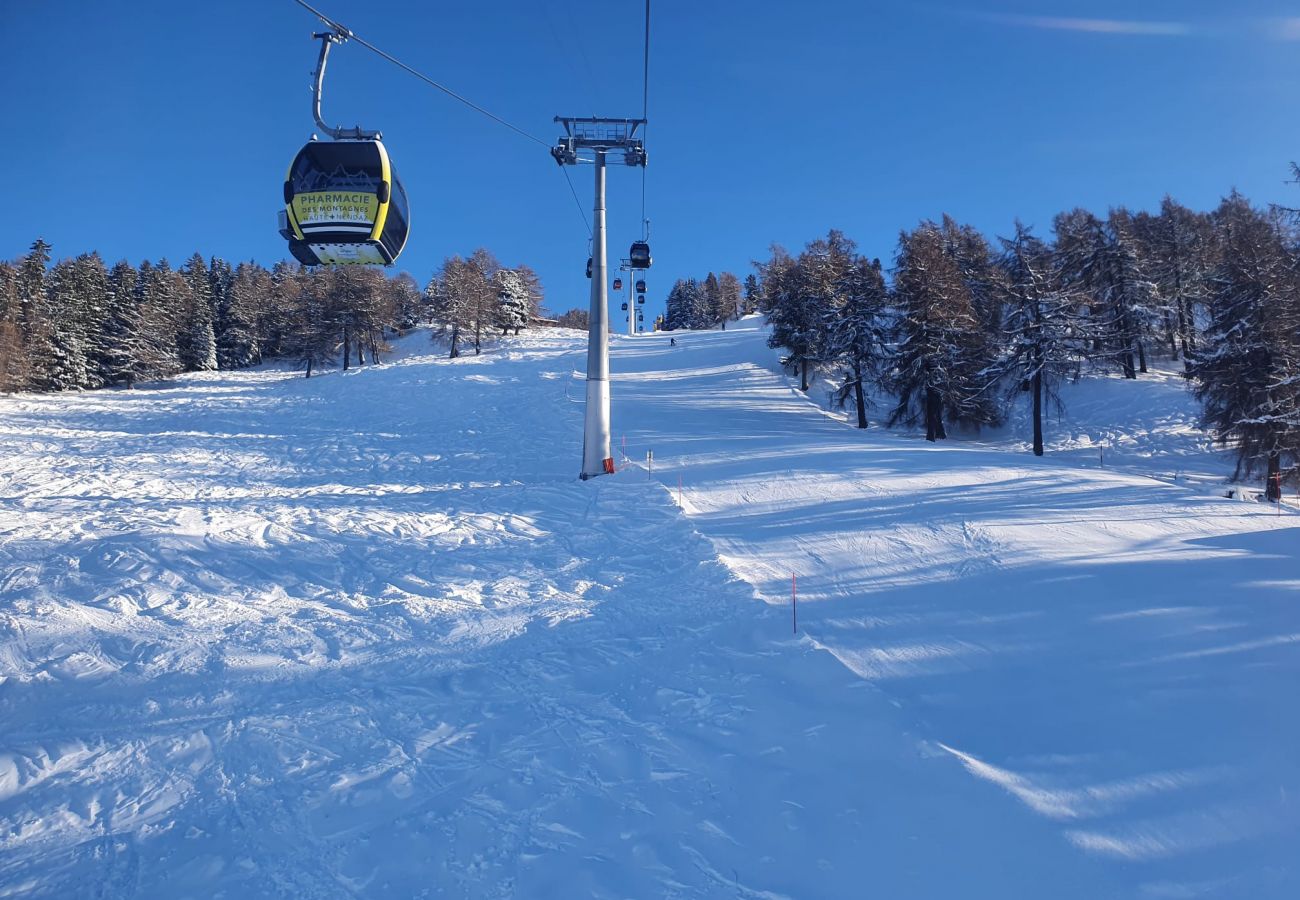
x=79, y=324
x=471, y=298
x=962, y=328
x=714, y=301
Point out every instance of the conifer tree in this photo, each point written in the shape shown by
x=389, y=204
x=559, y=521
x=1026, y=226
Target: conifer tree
x=943, y=361
x=856, y=330
x=13, y=357
x=1180, y=249
x=123, y=355
x=752, y=298
x=792, y=321
x=730, y=301
x=314, y=337
x=34, y=325
x=513, y=307
x=970, y=251
x=92, y=290
x=196, y=340
x=683, y=306
x=64, y=364
x=1246, y=374
x=405, y=301
x=1042, y=327
x=710, y=311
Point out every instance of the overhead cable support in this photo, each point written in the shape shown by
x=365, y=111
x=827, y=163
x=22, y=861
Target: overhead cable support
x=345, y=34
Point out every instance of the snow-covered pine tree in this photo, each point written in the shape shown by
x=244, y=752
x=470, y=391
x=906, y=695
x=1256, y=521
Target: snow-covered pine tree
x=1179, y=246
x=453, y=301
x=1246, y=373
x=196, y=340
x=751, y=300
x=683, y=301
x=943, y=358
x=245, y=297
x=970, y=251
x=782, y=303
x=513, y=306
x=1100, y=261
x=220, y=277
x=1136, y=311
x=574, y=318
x=13, y=357
x=37, y=341
x=1043, y=338
x=122, y=358
x=313, y=336
x=92, y=297
x=405, y=302
x=856, y=333
x=533, y=286
x=159, y=293
x=275, y=314
x=731, y=301
x=65, y=365
x=712, y=308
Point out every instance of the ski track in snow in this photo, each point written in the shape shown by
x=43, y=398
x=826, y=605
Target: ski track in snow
x=365, y=635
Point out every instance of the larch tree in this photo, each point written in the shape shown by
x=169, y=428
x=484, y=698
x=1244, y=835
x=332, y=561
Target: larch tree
x=730, y=301
x=1246, y=373
x=943, y=359
x=796, y=322
x=1042, y=330
x=856, y=329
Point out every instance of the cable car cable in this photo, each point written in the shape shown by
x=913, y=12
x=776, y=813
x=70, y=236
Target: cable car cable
x=645, y=72
x=577, y=203
x=346, y=32
x=645, y=106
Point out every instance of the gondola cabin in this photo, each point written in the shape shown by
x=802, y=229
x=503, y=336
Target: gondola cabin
x=640, y=285
x=618, y=284
x=639, y=255
x=588, y=266
x=344, y=205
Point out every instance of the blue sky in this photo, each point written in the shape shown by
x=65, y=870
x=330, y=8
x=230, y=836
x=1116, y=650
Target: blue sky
x=153, y=128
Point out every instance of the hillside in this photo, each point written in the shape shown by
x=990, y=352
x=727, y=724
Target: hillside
x=367, y=635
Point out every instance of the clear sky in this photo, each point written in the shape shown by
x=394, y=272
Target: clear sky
x=156, y=128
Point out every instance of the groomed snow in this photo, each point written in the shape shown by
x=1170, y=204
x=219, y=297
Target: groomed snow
x=366, y=635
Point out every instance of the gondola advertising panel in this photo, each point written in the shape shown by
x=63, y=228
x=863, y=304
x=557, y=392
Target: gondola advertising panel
x=335, y=207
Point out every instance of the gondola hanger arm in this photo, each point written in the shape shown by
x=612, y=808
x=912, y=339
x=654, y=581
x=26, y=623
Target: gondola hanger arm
x=328, y=38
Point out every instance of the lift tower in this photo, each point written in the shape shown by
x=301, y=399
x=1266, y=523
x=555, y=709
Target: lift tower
x=599, y=137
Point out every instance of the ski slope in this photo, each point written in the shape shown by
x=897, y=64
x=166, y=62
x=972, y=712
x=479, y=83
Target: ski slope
x=365, y=635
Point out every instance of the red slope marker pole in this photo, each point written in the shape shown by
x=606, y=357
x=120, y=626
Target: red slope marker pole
x=794, y=603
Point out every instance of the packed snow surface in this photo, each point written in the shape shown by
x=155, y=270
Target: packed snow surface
x=366, y=635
